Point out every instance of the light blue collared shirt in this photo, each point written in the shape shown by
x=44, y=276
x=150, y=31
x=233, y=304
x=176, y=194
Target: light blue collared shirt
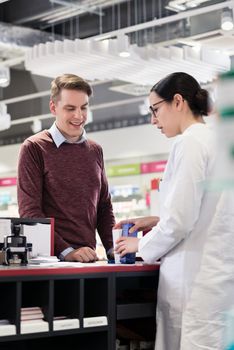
x=58, y=137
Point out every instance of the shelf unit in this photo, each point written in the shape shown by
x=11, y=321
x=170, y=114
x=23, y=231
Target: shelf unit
x=80, y=305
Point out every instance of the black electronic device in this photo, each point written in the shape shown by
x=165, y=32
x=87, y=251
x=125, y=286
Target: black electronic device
x=15, y=247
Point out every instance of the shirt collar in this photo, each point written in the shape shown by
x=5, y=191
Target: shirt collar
x=58, y=137
x=195, y=126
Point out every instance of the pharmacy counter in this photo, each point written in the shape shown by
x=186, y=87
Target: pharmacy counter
x=88, y=305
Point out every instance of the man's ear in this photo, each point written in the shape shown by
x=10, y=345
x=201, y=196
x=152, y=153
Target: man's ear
x=52, y=107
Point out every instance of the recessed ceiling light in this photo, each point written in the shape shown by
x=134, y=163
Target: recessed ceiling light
x=227, y=19
x=4, y=76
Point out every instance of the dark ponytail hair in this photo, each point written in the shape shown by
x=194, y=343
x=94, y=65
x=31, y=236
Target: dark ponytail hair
x=187, y=86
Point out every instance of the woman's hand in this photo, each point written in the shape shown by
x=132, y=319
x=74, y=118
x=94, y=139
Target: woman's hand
x=141, y=224
x=126, y=245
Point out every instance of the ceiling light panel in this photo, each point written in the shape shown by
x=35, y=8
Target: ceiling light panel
x=4, y=76
x=99, y=60
x=182, y=5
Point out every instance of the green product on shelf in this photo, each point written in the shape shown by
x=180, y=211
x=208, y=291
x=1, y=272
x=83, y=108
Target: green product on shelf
x=231, y=347
x=227, y=113
x=229, y=330
x=225, y=86
x=223, y=178
x=228, y=118
x=227, y=75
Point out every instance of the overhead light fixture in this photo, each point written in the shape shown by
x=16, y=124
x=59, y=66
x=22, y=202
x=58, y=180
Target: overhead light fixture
x=227, y=19
x=100, y=60
x=4, y=76
x=5, y=118
x=132, y=89
x=183, y=5
x=192, y=4
x=144, y=107
x=176, y=7
x=89, y=117
x=123, y=45
x=36, y=126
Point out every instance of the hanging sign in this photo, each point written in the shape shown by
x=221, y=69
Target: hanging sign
x=153, y=167
x=8, y=181
x=123, y=170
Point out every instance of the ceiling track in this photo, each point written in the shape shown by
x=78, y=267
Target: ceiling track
x=165, y=20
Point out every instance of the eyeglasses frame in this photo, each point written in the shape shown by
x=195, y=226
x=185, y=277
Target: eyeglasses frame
x=152, y=109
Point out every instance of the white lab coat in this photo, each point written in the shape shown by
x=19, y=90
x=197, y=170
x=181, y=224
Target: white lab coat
x=186, y=210
x=212, y=296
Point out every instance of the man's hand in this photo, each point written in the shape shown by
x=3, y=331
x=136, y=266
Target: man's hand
x=83, y=254
x=141, y=224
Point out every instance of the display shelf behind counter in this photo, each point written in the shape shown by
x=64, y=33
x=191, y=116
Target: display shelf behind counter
x=90, y=304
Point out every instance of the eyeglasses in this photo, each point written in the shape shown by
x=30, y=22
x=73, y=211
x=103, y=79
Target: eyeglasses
x=153, y=110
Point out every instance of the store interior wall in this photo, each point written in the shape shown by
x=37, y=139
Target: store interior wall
x=121, y=146
x=135, y=140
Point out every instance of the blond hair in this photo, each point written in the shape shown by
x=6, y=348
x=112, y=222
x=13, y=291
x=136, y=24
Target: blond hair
x=70, y=82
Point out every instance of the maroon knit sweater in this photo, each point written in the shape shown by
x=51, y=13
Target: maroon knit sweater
x=69, y=184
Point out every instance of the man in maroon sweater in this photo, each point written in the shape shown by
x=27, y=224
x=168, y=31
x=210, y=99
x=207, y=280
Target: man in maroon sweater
x=61, y=175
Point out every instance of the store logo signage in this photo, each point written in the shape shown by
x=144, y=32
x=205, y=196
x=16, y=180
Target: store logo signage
x=123, y=170
x=153, y=167
x=8, y=181
x=136, y=169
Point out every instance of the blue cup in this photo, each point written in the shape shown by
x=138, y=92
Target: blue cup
x=129, y=258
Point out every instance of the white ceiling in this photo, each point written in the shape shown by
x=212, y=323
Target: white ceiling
x=168, y=38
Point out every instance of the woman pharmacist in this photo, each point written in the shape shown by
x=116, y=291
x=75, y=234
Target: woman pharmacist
x=177, y=104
